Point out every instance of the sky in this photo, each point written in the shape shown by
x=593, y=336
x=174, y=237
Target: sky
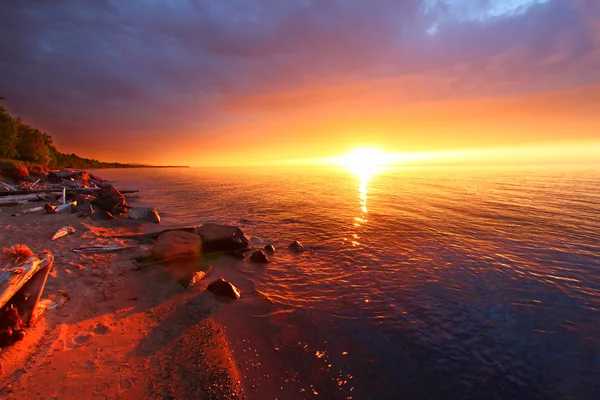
x=250, y=82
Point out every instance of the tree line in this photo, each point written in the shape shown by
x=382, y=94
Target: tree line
x=19, y=141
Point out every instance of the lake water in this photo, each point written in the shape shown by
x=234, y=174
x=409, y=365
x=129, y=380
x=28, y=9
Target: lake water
x=416, y=282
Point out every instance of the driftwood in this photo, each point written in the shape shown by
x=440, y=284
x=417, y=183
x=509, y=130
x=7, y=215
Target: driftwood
x=28, y=211
x=154, y=235
x=19, y=199
x=101, y=249
x=6, y=186
x=50, y=209
x=60, y=190
x=22, y=283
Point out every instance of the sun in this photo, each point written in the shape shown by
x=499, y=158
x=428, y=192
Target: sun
x=364, y=161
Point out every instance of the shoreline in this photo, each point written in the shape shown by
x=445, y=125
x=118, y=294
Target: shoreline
x=109, y=330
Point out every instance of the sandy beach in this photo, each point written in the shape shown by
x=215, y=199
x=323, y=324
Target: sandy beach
x=110, y=330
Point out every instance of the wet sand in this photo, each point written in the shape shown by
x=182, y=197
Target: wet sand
x=109, y=330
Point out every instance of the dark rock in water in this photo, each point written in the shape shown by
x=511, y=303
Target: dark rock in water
x=259, y=257
x=270, y=248
x=144, y=213
x=239, y=256
x=221, y=287
x=101, y=215
x=296, y=246
x=175, y=244
x=217, y=237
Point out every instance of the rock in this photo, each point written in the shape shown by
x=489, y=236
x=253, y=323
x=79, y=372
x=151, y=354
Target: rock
x=144, y=213
x=270, y=248
x=176, y=243
x=65, y=173
x=259, y=257
x=239, y=256
x=221, y=287
x=217, y=237
x=296, y=246
x=194, y=277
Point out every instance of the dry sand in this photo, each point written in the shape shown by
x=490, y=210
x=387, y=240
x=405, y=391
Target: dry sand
x=110, y=330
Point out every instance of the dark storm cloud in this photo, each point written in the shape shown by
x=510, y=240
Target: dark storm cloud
x=150, y=66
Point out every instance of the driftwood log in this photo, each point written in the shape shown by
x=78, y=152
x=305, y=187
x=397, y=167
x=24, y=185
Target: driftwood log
x=69, y=190
x=22, y=283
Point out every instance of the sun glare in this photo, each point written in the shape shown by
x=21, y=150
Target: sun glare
x=364, y=162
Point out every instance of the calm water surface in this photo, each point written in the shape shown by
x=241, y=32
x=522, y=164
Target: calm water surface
x=418, y=282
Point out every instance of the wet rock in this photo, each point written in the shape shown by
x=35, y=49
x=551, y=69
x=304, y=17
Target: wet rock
x=239, y=256
x=296, y=246
x=221, y=287
x=175, y=244
x=270, y=249
x=145, y=214
x=259, y=257
x=216, y=237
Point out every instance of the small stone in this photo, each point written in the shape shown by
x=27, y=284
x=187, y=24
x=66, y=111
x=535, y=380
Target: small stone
x=296, y=246
x=221, y=287
x=259, y=257
x=270, y=248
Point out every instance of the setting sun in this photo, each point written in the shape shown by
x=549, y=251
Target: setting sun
x=364, y=162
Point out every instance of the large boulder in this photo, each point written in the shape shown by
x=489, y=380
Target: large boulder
x=144, y=214
x=221, y=287
x=176, y=243
x=216, y=237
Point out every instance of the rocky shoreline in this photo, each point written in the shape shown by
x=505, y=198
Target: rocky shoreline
x=132, y=306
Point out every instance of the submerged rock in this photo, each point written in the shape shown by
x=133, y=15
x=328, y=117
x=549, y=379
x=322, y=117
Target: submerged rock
x=145, y=214
x=296, y=246
x=175, y=244
x=221, y=287
x=270, y=248
x=216, y=237
x=259, y=257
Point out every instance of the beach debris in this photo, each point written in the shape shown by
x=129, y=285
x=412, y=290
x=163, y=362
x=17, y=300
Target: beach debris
x=175, y=244
x=18, y=199
x=216, y=238
x=28, y=211
x=17, y=252
x=296, y=246
x=101, y=249
x=144, y=213
x=100, y=215
x=64, y=231
x=110, y=199
x=7, y=187
x=269, y=249
x=50, y=209
x=20, y=292
x=259, y=257
x=221, y=287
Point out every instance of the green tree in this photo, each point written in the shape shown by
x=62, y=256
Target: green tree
x=8, y=134
x=32, y=145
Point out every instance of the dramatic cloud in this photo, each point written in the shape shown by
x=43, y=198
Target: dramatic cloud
x=171, y=77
